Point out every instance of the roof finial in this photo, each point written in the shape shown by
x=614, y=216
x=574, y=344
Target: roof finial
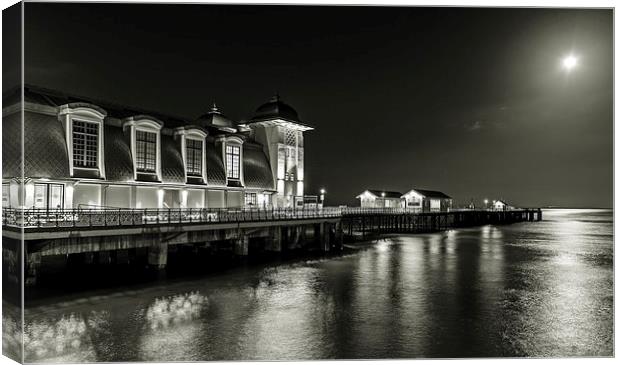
x=214, y=108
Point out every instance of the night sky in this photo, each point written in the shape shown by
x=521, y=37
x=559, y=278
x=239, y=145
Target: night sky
x=472, y=102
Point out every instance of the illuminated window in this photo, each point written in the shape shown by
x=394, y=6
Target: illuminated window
x=250, y=199
x=6, y=200
x=146, y=151
x=193, y=156
x=232, y=161
x=85, y=144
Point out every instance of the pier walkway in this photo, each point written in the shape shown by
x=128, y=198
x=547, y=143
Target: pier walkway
x=105, y=235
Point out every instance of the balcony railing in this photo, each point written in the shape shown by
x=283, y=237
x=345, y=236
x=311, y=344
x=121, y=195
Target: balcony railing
x=115, y=217
x=107, y=217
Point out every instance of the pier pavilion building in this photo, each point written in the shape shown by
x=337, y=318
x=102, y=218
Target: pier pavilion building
x=80, y=152
x=373, y=198
x=415, y=199
x=427, y=200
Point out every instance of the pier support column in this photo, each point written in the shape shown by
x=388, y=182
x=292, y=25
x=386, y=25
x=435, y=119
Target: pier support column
x=323, y=236
x=338, y=235
x=242, y=245
x=103, y=257
x=274, y=241
x=158, y=255
x=89, y=258
x=319, y=236
x=33, y=265
x=122, y=257
x=294, y=237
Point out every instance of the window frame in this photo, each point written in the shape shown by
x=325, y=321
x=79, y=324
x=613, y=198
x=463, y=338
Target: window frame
x=8, y=194
x=142, y=123
x=253, y=201
x=85, y=148
x=196, y=134
x=231, y=172
x=199, y=152
x=89, y=113
x=144, y=154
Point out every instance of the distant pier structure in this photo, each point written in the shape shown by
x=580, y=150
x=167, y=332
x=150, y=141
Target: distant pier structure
x=362, y=222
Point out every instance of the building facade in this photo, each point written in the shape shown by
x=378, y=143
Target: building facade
x=501, y=205
x=416, y=199
x=427, y=200
x=380, y=199
x=82, y=153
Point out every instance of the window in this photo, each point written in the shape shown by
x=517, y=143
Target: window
x=232, y=161
x=250, y=199
x=146, y=155
x=290, y=137
x=85, y=144
x=6, y=200
x=49, y=196
x=193, y=156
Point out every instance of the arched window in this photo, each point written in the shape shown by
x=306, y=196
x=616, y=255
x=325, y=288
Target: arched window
x=233, y=159
x=194, y=152
x=145, y=146
x=84, y=135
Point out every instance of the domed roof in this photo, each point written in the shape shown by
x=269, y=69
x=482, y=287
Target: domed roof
x=214, y=118
x=276, y=108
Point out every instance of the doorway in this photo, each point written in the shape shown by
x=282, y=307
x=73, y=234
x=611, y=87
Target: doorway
x=49, y=196
x=172, y=198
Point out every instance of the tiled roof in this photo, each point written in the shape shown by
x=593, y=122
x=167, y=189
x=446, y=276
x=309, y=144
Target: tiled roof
x=432, y=194
x=172, y=169
x=118, y=160
x=256, y=171
x=11, y=145
x=54, y=98
x=216, y=174
x=276, y=108
x=45, y=150
x=388, y=194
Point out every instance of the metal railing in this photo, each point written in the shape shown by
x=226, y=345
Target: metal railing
x=114, y=217
x=110, y=217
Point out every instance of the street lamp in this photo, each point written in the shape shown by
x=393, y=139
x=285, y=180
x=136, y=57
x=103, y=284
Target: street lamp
x=486, y=202
x=322, y=196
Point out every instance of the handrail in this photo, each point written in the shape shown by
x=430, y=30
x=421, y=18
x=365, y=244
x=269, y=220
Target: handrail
x=111, y=217
x=79, y=217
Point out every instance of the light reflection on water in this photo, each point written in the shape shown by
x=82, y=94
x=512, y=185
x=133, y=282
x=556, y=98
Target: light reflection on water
x=530, y=289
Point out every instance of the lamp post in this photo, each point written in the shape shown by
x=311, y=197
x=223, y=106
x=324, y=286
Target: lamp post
x=486, y=203
x=322, y=196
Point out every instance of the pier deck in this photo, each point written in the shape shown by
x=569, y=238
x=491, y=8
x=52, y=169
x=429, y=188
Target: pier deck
x=106, y=233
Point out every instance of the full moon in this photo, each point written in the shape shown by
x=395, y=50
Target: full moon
x=569, y=62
